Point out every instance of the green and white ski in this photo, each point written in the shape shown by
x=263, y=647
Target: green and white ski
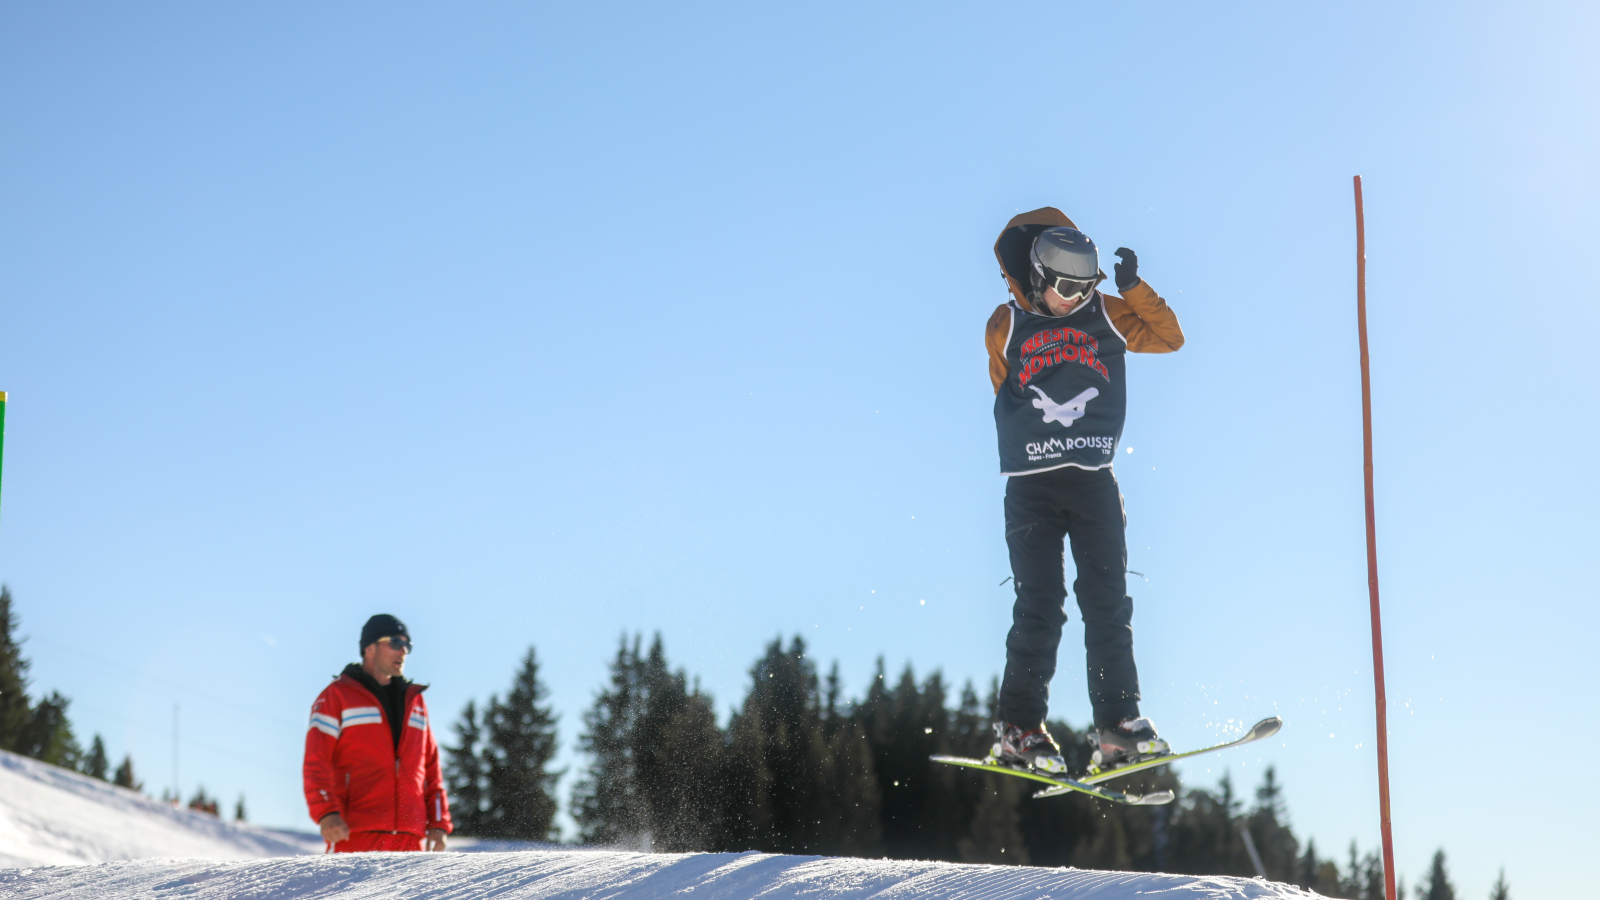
x=1089, y=784
x=1060, y=785
x=1260, y=731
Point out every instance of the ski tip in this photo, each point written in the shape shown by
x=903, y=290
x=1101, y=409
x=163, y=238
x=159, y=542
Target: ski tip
x=1264, y=729
x=1159, y=798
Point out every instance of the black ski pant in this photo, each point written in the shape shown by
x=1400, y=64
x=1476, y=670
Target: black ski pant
x=1085, y=508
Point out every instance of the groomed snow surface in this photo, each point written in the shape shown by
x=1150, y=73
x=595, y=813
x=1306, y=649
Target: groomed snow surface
x=63, y=835
x=52, y=817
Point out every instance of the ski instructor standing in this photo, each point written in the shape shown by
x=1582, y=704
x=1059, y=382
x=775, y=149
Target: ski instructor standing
x=1057, y=359
x=372, y=775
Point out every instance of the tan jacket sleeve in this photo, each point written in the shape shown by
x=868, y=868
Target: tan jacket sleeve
x=994, y=337
x=1145, y=320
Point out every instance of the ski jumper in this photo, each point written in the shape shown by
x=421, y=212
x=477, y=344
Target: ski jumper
x=1060, y=403
x=372, y=758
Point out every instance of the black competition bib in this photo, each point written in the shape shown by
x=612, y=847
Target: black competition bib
x=1066, y=395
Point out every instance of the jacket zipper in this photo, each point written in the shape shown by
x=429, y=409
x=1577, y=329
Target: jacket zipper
x=383, y=712
x=396, y=792
x=405, y=714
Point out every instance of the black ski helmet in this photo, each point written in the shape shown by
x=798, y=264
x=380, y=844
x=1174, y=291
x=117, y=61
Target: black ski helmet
x=1062, y=253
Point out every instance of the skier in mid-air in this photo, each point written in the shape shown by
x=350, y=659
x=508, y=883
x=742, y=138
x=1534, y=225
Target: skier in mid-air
x=1056, y=358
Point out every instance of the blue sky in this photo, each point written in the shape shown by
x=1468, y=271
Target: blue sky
x=535, y=325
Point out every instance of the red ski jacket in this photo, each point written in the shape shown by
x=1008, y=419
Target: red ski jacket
x=352, y=767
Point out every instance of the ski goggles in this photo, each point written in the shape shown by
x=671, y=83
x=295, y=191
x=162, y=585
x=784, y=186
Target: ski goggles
x=403, y=644
x=1069, y=288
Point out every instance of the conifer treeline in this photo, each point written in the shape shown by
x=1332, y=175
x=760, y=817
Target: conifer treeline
x=498, y=774
x=802, y=769
x=41, y=729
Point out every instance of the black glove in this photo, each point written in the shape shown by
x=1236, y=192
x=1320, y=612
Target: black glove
x=1127, y=269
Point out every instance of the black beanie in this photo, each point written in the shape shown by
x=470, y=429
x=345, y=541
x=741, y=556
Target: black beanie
x=382, y=625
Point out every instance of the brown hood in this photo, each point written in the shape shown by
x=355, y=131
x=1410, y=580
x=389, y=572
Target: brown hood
x=1012, y=247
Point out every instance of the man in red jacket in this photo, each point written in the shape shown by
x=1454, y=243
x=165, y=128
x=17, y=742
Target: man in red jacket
x=372, y=766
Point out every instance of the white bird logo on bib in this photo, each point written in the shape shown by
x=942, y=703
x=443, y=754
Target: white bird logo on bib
x=1065, y=413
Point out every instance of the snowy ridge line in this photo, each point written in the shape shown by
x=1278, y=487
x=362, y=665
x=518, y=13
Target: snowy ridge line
x=609, y=875
x=50, y=816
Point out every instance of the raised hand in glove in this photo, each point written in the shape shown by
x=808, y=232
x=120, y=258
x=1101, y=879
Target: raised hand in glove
x=1127, y=269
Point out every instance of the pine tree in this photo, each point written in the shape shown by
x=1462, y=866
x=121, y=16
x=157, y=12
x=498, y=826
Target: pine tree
x=95, y=764
x=853, y=799
x=1306, y=868
x=1002, y=818
x=1363, y=880
x=1269, y=796
x=202, y=802
x=794, y=788
x=15, y=715
x=606, y=802
x=239, y=811
x=678, y=761
x=995, y=833
x=1109, y=846
x=522, y=740
x=1350, y=885
x=49, y=736
x=1373, y=886
x=125, y=777
x=833, y=702
x=1161, y=839
x=1501, y=890
x=924, y=815
x=1205, y=833
x=655, y=777
x=1438, y=883
x=1275, y=842
x=465, y=772
x=39, y=730
x=1319, y=874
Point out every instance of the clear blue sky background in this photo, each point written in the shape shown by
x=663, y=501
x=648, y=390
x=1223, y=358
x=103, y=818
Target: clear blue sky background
x=539, y=324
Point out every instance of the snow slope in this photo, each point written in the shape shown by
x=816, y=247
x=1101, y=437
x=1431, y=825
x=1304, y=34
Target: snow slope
x=49, y=816
x=612, y=875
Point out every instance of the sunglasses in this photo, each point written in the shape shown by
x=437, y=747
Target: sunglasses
x=399, y=643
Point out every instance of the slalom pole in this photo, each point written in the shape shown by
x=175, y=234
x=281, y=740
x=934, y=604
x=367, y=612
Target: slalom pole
x=1372, y=552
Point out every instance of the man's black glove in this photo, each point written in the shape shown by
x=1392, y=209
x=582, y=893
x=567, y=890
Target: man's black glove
x=1127, y=269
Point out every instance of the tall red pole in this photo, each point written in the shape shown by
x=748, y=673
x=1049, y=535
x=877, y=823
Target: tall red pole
x=1372, y=552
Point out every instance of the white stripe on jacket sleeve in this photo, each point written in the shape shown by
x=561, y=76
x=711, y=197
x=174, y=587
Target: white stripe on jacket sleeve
x=362, y=715
x=328, y=725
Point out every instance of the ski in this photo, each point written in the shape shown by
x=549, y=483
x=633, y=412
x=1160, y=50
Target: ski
x=1060, y=785
x=1260, y=731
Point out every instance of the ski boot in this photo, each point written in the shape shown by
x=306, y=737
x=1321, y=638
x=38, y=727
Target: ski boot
x=1131, y=741
x=1020, y=749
